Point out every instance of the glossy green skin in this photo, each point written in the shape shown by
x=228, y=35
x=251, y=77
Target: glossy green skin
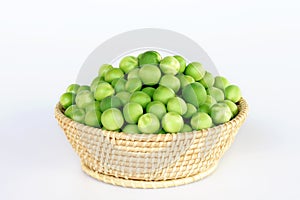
x=186, y=128
x=221, y=82
x=93, y=118
x=149, y=57
x=233, y=93
x=96, y=82
x=172, y=122
x=185, y=80
x=67, y=99
x=93, y=106
x=119, y=84
x=178, y=105
x=83, y=87
x=103, y=90
x=220, y=113
x=200, y=121
x=149, y=91
x=216, y=93
x=112, y=119
x=112, y=74
x=131, y=128
x=124, y=97
x=133, y=84
x=191, y=109
x=133, y=73
x=194, y=93
x=149, y=74
x=182, y=62
x=104, y=69
x=208, y=80
x=141, y=98
x=128, y=63
x=84, y=98
x=195, y=70
x=233, y=107
x=169, y=65
x=157, y=108
x=110, y=102
x=163, y=94
x=170, y=81
x=148, y=123
x=132, y=112
x=73, y=88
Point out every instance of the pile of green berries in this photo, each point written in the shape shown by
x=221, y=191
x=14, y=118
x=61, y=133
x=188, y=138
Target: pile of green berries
x=150, y=94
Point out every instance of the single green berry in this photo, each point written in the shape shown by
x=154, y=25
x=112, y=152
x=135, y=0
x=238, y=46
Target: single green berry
x=149, y=57
x=157, y=108
x=201, y=120
x=104, y=69
x=83, y=87
x=67, y=99
x=128, y=63
x=149, y=91
x=141, y=98
x=195, y=70
x=233, y=93
x=149, y=74
x=133, y=84
x=73, y=88
x=172, y=122
x=220, y=113
x=194, y=93
x=170, y=81
x=84, y=98
x=169, y=65
x=112, y=74
x=112, y=119
x=182, y=62
x=133, y=73
x=178, y=105
x=216, y=93
x=163, y=94
x=208, y=80
x=103, y=90
x=132, y=112
x=221, y=82
x=148, y=123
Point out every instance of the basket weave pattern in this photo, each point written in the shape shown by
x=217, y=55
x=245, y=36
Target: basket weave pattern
x=150, y=161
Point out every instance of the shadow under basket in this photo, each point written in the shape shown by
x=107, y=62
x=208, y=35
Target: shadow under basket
x=150, y=160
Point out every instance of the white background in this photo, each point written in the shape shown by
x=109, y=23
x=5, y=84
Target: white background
x=256, y=44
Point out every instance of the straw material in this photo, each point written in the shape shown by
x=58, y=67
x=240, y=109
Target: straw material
x=150, y=160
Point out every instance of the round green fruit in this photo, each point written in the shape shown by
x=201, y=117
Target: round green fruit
x=104, y=69
x=220, y=113
x=200, y=121
x=149, y=74
x=83, y=87
x=112, y=74
x=149, y=91
x=112, y=119
x=103, y=90
x=221, y=82
x=133, y=73
x=163, y=94
x=148, y=123
x=133, y=84
x=73, y=88
x=185, y=80
x=132, y=112
x=96, y=82
x=233, y=93
x=178, y=105
x=93, y=118
x=195, y=70
x=149, y=57
x=84, y=98
x=194, y=93
x=233, y=107
x=157, y=108
x=172, y=122
x=170, y=81
x=110, y=102
x=128, y=63
x=216, y=93
x=141, y=98
x=169, y=65
x=67, y=99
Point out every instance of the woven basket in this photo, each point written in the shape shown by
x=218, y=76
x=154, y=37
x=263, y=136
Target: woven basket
x=150, y=160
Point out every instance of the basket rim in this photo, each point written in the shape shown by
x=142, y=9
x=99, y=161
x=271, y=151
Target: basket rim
x=243, y=112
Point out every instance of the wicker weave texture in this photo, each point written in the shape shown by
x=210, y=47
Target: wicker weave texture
x=150, y=161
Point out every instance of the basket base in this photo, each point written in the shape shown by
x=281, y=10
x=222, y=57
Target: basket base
x=146, y=184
